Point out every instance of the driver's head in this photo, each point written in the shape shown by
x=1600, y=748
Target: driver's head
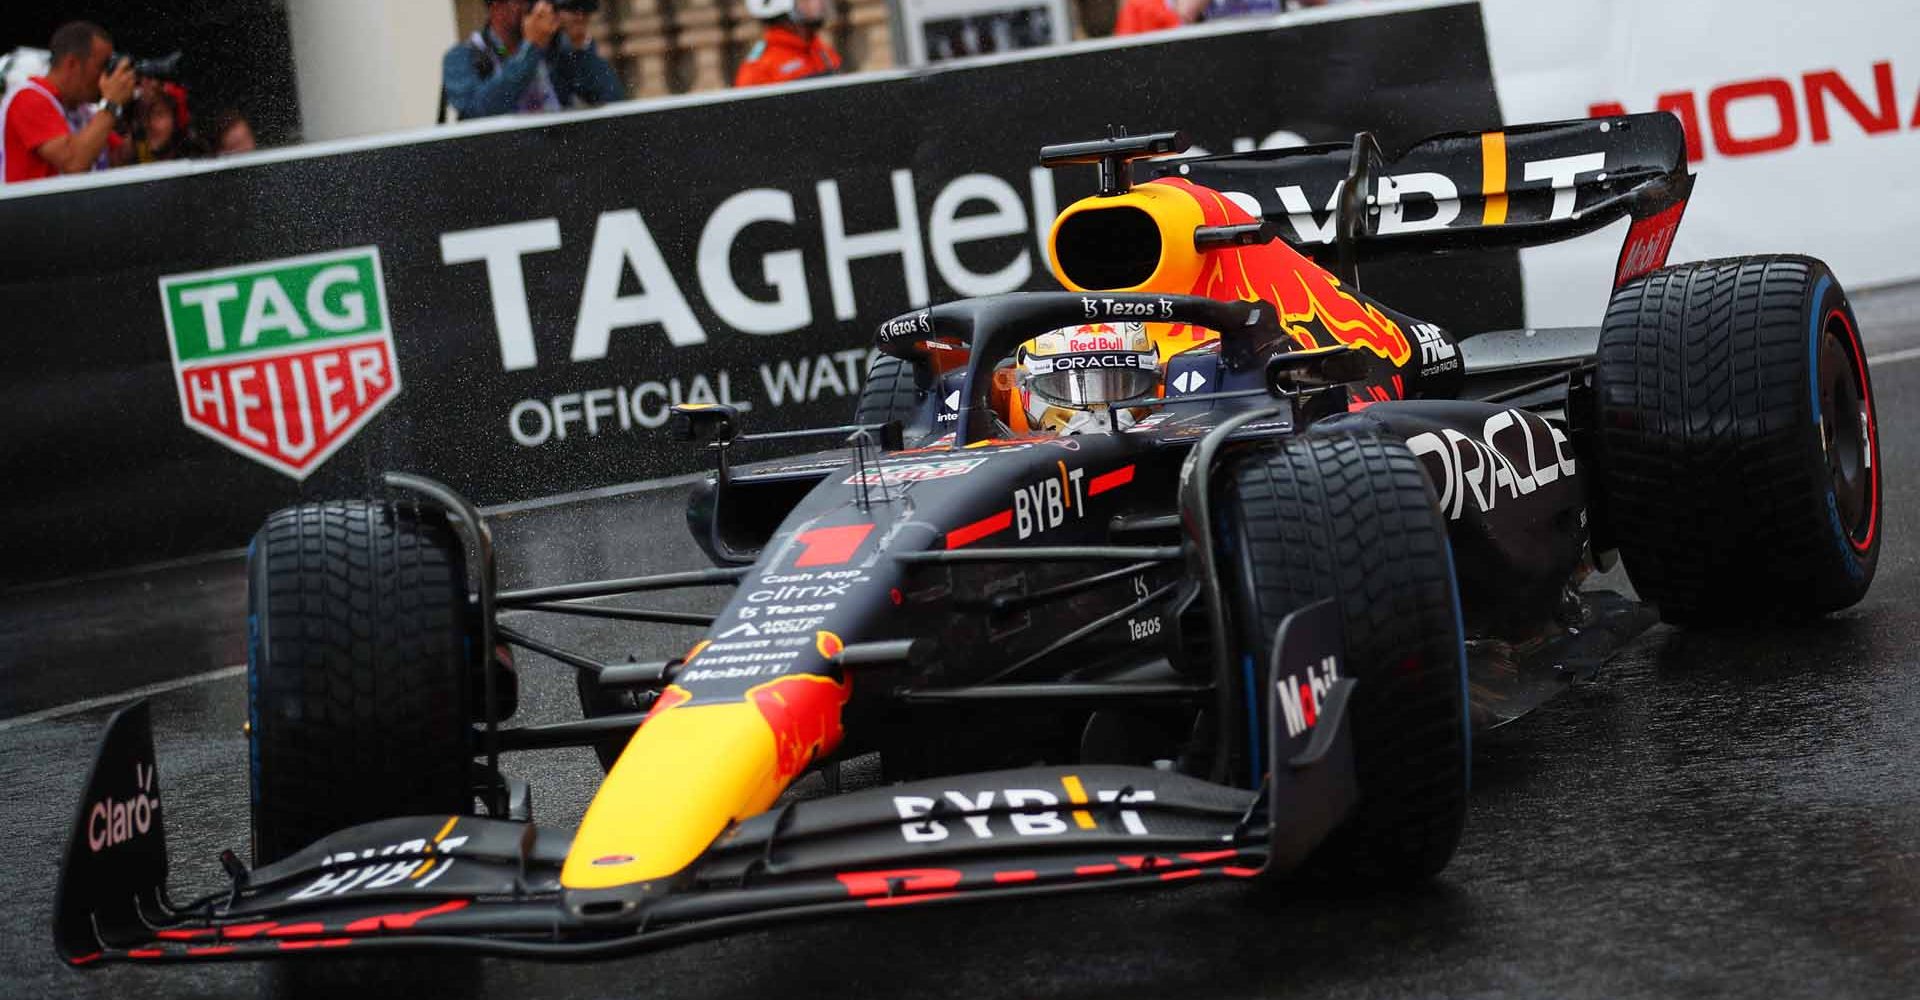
x=1071, y=377
x=79, y=51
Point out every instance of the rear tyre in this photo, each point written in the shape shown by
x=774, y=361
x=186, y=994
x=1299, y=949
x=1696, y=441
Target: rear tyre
x=1738, y=446
x=890, y=393
x=1351, y=516
x=360, y=655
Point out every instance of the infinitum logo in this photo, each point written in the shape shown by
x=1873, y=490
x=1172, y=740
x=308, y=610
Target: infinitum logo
x=283, y=361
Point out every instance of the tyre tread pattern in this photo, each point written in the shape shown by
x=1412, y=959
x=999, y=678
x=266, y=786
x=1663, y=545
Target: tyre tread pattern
x=890, y=393
x=1715, y=489
x=359, y=671
x=1352, y=516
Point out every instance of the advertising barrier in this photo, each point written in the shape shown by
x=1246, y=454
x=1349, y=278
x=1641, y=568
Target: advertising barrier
x=1804, y=122
x=512, y=307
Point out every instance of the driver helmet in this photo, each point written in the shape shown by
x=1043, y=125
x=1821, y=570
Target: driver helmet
x=1070, y=378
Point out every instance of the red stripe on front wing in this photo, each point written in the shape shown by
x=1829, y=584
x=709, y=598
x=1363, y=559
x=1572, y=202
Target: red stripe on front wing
x=403, y=921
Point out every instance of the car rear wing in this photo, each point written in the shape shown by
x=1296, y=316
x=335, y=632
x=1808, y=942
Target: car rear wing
x=1524, y=185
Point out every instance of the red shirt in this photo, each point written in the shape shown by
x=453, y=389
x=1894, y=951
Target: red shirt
x=34, y=117
x=1139, y=16
x=784, y=54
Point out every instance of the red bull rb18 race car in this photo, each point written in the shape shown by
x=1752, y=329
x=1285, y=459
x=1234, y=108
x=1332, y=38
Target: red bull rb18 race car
x=1207, y=566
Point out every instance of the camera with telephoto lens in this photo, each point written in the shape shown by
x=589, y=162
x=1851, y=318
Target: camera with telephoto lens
x=577, y=6
x=165, y=67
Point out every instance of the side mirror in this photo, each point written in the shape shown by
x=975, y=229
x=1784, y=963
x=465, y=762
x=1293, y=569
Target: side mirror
x=893, y=435
x=704, y=423
x=1316, y=368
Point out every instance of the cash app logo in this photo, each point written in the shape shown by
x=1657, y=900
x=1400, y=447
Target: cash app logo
x=283, y=361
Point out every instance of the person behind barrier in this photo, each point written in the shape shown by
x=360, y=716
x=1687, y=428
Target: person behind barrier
x=791, y=46
x=528, y=58
x=231, y=133
x=49, y=123
x=1141, y=16
x=1138, y=16
x=162, y=128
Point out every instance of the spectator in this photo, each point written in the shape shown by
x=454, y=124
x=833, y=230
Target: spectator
x=162, y=130
x=1141, y=16
x=231, y=133
x=791, y=46
x=527, y=58
x=1137, y=16
x=49, y=124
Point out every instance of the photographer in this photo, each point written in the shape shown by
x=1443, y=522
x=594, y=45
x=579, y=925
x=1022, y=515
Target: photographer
x=49, y=124
x=791, y=46
x=528, y=57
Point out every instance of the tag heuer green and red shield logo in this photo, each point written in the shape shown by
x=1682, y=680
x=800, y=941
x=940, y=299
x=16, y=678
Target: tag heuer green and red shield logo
x=283, y=361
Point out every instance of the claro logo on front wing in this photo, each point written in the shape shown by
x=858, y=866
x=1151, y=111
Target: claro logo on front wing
x=115, y=821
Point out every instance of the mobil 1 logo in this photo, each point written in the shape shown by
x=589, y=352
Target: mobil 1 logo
x=286, y=360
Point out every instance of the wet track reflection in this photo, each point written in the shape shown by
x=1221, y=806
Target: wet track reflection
x=1721, y=812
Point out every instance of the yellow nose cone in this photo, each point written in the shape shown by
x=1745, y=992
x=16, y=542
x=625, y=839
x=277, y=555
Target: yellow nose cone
x=692, y=770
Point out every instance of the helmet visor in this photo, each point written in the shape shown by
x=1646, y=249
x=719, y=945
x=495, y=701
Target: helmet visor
x=1092, y=377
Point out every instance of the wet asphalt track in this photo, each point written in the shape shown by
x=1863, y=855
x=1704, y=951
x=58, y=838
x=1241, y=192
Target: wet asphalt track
x=1718, y=814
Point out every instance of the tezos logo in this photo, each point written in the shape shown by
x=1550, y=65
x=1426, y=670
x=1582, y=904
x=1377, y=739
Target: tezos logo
x=1161, y=308
x=112, y=821
x=906, y=326
x=283, y=361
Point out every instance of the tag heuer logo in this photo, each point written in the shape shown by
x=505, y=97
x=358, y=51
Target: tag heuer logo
x=283, y=361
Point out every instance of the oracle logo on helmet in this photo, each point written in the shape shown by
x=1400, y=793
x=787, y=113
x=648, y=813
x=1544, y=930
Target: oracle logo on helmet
x=1081, y=362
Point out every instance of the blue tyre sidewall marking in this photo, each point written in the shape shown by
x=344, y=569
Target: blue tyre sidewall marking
x=253, y=678
x=1849, y=561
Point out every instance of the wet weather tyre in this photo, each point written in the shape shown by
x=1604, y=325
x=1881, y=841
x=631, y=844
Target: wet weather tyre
x=1351, y=516
x=890, y=393
x=359, y=660
x=1737, y=440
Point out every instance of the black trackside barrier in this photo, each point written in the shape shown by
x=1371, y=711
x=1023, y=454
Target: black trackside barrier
x=734, y=249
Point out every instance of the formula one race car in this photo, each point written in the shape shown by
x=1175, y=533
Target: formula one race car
x=1242, y=624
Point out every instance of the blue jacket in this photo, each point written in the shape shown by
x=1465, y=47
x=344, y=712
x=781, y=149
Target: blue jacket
x=476, y=88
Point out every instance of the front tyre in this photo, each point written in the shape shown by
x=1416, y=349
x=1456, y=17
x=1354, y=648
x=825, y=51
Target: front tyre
x=1351, y=516
x=359, y=659
x=1738, y=441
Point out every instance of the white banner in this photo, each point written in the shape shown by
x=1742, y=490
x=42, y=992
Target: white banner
x=1803, y=119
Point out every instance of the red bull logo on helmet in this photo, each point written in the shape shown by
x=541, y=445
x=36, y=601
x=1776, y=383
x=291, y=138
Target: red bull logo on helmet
x=1096, y=337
